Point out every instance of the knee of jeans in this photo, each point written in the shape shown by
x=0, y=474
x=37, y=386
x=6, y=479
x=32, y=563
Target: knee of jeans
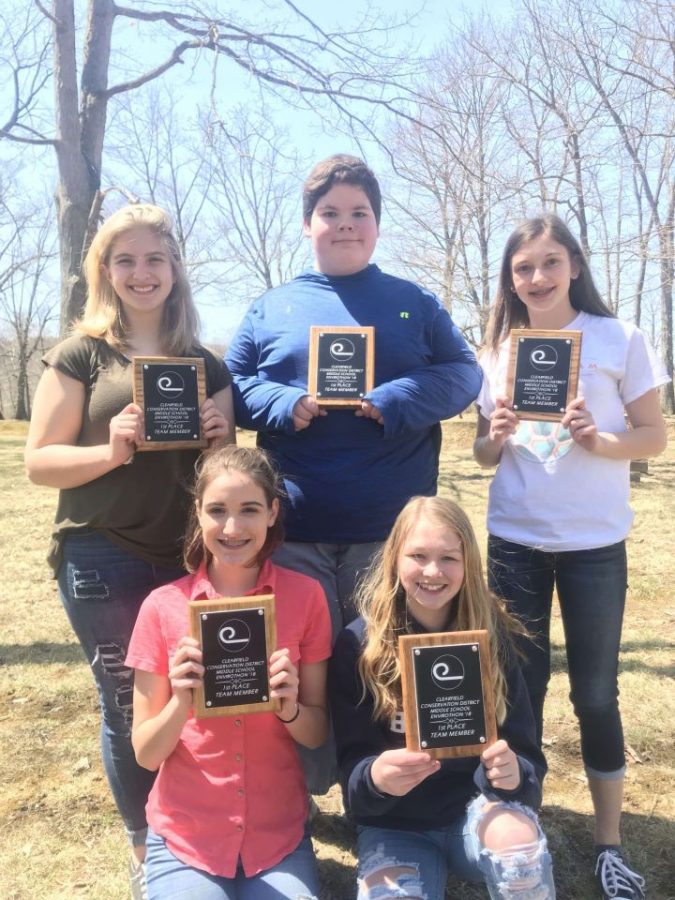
x=115, y=682
x=521, y=871
x=382, y=877
x=596, y=703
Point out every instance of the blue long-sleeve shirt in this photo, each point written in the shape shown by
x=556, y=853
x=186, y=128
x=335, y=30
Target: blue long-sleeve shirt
x=347, y=477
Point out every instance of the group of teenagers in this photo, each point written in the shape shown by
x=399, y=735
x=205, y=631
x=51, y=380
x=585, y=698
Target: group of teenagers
x=336, y=513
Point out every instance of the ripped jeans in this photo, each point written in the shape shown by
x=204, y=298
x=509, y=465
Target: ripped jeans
x=102, y=587
x=423, y=860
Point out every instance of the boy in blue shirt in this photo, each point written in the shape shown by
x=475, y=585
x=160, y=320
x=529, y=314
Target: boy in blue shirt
x=348, y=474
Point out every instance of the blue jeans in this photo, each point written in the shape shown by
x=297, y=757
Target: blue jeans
x=591, y=587
x=337, y=568
x=395, y=863
x=293, y=878
x=102, y=588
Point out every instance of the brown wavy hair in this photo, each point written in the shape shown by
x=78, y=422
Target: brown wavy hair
x=254, y=464
x=381, y=601
x=103, y=315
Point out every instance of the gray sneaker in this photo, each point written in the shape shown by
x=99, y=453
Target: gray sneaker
x=139, y=887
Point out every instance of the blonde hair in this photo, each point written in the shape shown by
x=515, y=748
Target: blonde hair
x=381, y=600
x=103, y=315
x=254, y=464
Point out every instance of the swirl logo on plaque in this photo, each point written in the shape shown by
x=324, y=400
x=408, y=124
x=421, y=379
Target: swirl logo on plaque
x=544, y=357
x=342, y=350
x=447, y=673
x=235, y=636
x=170, y=384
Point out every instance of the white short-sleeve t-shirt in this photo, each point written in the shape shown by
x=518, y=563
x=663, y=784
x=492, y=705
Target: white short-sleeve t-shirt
x=548, y=492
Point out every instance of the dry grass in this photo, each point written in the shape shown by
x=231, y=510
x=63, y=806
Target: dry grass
x=61, y=836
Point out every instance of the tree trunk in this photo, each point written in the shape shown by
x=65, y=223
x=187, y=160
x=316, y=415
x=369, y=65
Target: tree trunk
x=79, y=138
x=21, y=410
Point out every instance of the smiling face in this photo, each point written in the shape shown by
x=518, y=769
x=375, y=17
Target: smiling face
x=234, y=516
x=541, y=271
x=431, y=570
x=343, y=230
x=140, y=272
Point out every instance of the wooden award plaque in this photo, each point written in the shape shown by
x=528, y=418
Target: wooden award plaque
x=341, y=364
x=237, y=636
x=448, y=700
x=170, y=390
x=543, y=372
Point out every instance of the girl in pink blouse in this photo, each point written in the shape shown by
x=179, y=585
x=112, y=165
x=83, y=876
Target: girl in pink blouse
x=227, y=812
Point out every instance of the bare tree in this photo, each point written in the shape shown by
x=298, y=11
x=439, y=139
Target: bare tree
x=156, y=156
x=533, y=66
x=625, y=61
x=459, y=182
x=285, y=51
x=27, y=302
x=255, y=199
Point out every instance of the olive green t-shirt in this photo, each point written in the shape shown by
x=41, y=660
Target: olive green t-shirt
x=141, y=507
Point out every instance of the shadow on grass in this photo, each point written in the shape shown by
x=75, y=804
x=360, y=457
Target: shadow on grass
x=648, y=840
x=40, y=653
x=630, y=660
x=451, y=481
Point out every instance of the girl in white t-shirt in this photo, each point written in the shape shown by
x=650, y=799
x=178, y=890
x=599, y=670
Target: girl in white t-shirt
x=558, y=511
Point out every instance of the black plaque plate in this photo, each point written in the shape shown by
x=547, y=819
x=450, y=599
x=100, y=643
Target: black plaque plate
x=543, y=372
x=448, y=702
x=341, y=361
x=170, y=390
x=235, y=637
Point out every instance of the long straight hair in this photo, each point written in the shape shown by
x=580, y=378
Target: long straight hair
x=103, y=316
x=508, y=310
x=381, y=600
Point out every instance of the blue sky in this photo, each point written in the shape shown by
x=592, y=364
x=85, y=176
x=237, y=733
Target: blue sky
x=429, y=24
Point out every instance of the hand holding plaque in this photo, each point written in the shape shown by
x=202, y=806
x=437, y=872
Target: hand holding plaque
x=543, y=373
x=237, y=637
x=341, y=364
x=448, y=701
x=170, y=390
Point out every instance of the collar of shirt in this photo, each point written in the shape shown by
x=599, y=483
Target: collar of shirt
x=202, y=589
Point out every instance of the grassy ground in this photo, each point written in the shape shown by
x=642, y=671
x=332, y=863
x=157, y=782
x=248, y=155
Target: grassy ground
x=61, y=836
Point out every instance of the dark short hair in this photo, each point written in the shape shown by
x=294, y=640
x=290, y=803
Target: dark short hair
x=340, y=169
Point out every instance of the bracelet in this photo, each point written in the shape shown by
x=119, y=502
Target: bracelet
x=293, y=717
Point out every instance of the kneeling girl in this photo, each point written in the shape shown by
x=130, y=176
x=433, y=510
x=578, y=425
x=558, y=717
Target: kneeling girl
x=228, y=809
x=418, y=818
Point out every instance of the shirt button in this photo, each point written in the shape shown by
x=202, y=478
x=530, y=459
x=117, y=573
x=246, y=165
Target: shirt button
x=237, y=722
x=240, y=827
x=238, y=757
x=240, y=792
